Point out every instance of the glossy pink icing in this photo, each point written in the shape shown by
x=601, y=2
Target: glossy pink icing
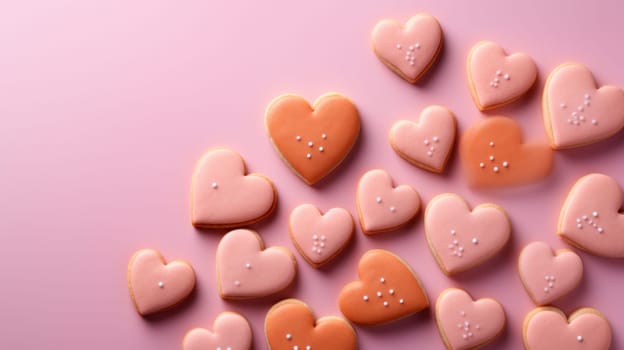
x=590, y=217
x=224, y=196
x=320, y=237
x=548, y=276
x=497, y=78
x=231, y=332
x=548, y=329
x=575, y=112
x=399, y=46
x=155, y=285
x=383, y=207
x=427, y=142
x=246, y=270
x=460, y=238
x=467, y=324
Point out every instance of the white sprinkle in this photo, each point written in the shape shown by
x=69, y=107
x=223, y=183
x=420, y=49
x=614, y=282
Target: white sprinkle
x=315, y=237
x=398, y=46
x=594, y=122
x=321, y=149
x=506, y=76
x=492, y=158
x=586, y=103
x=391, y=291
x=453, y=232
x=215, y=185
x=411, y=48
x=322, y=245
x=491, y=143
x=296, y=347
x=475, y=241
x=310, y=144
x=411, y=63
x=582, y=118
x=580, y=108
x=382, y=280
x=595, y=214
x=579, y=226
x=378, y=199
x=426, y=142
x=417, y=45
x=546, y=290
x=461, y=249
x=546, y=278
x=585, y=217
x=550, y=284
x=161, y=284
x=392, y=209
x=308, y=347
x=563, y=105
x=481, y=165
x=462, y=313
x=298, y=138
x=465, y=336
x=365, y=298
x=436, y=139
x=459, y=255
x=492, y=84
x=288, y=336
x=401, y=301
x=248, y=266
x=600, y=230
x=587, y=97
x=455, y=242
x=496, y=80
x=386, y=304
x=237, y=283
x=495, y=169
x=379, y=294
x=429, y=154
x=505, y=164
x=308, y=156
x=324, y=136
x=498, y=72
x=323, y=238
x=579, y=338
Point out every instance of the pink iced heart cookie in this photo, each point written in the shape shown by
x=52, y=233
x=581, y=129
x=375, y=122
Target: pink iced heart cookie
x=245, y=269
x=320, y=237
x=231, y=331
x=575, y=112
x=467, y=324
x=224, y=196
x=155, y=285
x=547, y=276
x=592, y=219
x=496, y=78
x=460, y=238
x=546, y=328
x=408, y=50
x=427, y=143
x=383, y=207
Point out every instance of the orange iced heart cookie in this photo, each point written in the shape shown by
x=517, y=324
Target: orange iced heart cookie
x=312, y=140
x=388, y=290
x=156, y=285
x=290, y=324
x=494, y=155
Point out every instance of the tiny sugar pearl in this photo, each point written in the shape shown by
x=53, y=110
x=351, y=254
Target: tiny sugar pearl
x=324, y=136
x=506, y=76
x=594, y=122
x=579, y=338
x=475, y=241
x=392, y=209
x=365, y=298
x=298, y=138
x=600, y=230
x=563, y=105
x=386, y=304
x=481, y=165
x=453, y=232
x=498, y=72
x=492, y=158
x=382, y=280
x=296, y=347
x=308, y=156
x=161, y=284
x=505, y=164
x=426, y=142
x=288, y=336
x=398, y=46
x=378, y=199
x=379, y=294
x=436, y=139
x=391, y=291
x=417, y=45
x=310, y=144
x=308, y=347
x=401, y=301
x=429, y=154
x=248, y=266
x=495, y=169
x=587, y=96
x=215, y=185
x=595, y=214
x=237, y=283
x=323, y=238
x=321, y=149
x=411, y=48
x=491, y=143
x=579, y=226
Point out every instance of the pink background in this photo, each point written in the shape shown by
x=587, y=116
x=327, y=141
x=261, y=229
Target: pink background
x=106, y=106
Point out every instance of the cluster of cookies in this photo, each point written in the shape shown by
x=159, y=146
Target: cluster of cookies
x=314, y=139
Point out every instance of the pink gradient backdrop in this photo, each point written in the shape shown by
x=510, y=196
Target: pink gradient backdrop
x=106, y=106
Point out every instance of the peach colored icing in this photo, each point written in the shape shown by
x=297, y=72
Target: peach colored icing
x=312, y=140
x=383, y=207
x=427, y=143
x=388, y=290
x=320, y=237
x=590, y=217
x=548, y=329
x=246, y=270
x=223, y=196
x=290, y=325
x=548, y=276
x=576, y=113
x=411, y=49
x=155, y=285
x=460, y=238
x=493, y=154
x=467, y=324
x=231, y=332
x=497, y=78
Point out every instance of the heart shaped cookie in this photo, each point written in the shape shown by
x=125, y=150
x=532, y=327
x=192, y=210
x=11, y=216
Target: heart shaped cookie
x=231, y=331
x=467, y=324
x=408, y=50
x=320, y=237
x=312, y=140
x=388, y=290
x=224, y=196
x=576, y=112
x=547, y=276
x=461, y=239
x=496, y=78
x=290, y=324
x=383, y=207
x=427, y=143
x=245, y=269
x=494, y=155
x=592, y=218
x=156, y=285
x=547, y=328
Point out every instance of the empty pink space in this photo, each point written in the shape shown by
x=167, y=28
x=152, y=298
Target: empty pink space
x=105, y=107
